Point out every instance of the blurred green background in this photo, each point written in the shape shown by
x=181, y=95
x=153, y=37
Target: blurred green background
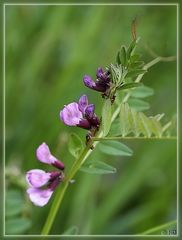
x=48, y=51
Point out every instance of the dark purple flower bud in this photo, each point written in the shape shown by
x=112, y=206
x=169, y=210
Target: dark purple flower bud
x=58, y=165
x=99, y=72
x=53, y=184
x=84, y=123
x=95, y=121
x=102, y=76
x=54, y=175
x=89, y=111
x=83, y=103
x=88, y=82
x=91, y=84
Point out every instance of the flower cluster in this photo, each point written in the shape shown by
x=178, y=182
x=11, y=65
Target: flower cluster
x=42, y=184
x=81, y=114
x=102, y=84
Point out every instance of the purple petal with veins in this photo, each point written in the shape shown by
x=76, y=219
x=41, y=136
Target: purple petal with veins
x=71, y=114
x=83, y=103
x=99, y=72
x=39, y=197
x=89, y=111
x=37, y=178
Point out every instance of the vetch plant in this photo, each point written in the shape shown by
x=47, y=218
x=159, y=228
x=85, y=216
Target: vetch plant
x=122, y=118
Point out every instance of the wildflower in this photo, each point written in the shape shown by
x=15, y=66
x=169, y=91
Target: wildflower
x=80, y=114
x=44, y=155
x=42, y=184
x=102, y=83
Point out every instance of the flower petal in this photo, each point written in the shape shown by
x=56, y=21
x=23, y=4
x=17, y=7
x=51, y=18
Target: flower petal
x=84, y=123
x=83, y=103
x=44, y=155
x=89, y=111
x=37, y=178
x=71, y=114
x=88, y=82
x=99, y=72
x=39, y=197
x=95, y=86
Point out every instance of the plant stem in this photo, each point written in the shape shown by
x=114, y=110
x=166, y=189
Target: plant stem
x=60, y=194
x=81, y=159
x=132, y=138
x=160, y=228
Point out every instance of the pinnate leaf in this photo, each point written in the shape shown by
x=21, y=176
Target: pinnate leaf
x=115, y=148
x=138, y=104
x=142, y=92
x=106, y=117
x=97, y=167
x=75, y=145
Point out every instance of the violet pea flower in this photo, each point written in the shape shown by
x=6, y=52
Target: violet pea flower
x=102, y=82
x=42, y=184
x=80, y=114
x=36, y=179
x=44, y=155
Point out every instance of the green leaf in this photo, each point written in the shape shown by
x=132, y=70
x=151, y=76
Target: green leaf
x=115, y=128
x=17, y=225
x=124, y=121
x=129, y=85
x=73, y=230
x=135, y=73
x=166, y=126
x=156, y=127
x=13, y=203
x=138, y=105
x=123, y=57
x=138, y=123
x=106, y=116
x=142, y=92
x=145, y=125
x=115, y=148
x=118, y=58
x=158, y=117
x=137, y=64
x=75, y=145
x=98, y=167
x=135, y=57
x=131, y=48
x=116, y=73
x=134, y=123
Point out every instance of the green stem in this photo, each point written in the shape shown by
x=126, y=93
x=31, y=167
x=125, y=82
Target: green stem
x=132, y=138
x=81, y=159
x=160, y=228
x=60, y=194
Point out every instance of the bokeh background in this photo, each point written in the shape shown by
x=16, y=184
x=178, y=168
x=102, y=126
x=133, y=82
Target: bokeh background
x=48, y=51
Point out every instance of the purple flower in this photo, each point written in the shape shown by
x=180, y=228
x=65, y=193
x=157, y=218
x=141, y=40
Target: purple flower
x=44, y=155
x=102, y=82
x=42, y=184
x=80, y=114
x=37, y=179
